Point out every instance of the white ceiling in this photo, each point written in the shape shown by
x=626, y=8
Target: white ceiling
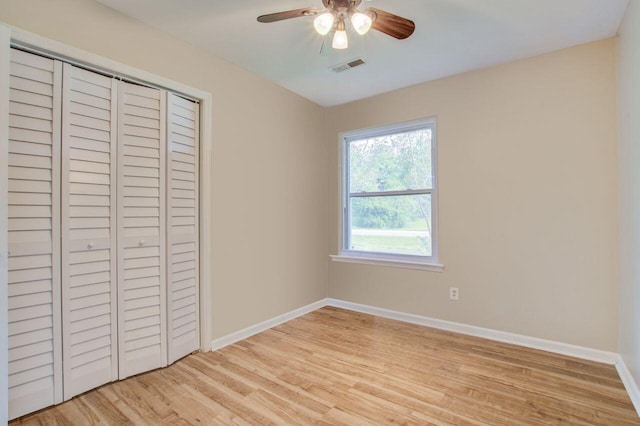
x=451, y=36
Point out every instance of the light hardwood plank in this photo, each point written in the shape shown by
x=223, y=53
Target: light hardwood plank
x=334, y=366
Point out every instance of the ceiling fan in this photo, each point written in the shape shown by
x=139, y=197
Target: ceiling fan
x=337, y=12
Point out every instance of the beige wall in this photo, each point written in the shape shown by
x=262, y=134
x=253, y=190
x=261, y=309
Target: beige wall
x=527, y=162
x=629, y=177
x=269, y=215
x=528, y=196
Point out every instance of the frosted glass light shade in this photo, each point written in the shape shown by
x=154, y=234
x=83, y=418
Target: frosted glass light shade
x=323, y=23
x=361, y=22
x=340, y=40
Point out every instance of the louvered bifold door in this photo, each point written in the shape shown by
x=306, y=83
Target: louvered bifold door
x=141, y=229
x=182, y=227
x=35, y=373
x=89, y=314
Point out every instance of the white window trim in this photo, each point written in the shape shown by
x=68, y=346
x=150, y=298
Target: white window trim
x=429, y=263
x=369, y=260
x=33, y=42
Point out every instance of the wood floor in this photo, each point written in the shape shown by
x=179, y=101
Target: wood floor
x=339, y=367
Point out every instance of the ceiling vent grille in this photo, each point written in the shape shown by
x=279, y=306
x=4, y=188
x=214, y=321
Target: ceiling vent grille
x=348, y=65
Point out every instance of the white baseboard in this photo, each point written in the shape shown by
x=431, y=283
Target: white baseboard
x=229, y=339
x=630, y=383
x=472, y=330
x=486, y=333
x=501, y=336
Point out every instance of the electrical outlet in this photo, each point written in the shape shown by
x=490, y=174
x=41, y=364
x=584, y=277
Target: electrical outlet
x=454, y=293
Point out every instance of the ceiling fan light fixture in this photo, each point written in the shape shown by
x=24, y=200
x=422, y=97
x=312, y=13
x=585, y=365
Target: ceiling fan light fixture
x=323, y=23
x=361, y=22
x=340, y=40
x=341, y=10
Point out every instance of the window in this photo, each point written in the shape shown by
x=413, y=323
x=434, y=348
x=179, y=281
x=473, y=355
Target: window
x=390, y=198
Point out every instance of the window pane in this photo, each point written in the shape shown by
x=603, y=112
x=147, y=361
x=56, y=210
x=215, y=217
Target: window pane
x=391, y=163
x=395, y=224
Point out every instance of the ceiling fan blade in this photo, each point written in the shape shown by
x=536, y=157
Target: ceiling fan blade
x=393, y=25
x=280, y=16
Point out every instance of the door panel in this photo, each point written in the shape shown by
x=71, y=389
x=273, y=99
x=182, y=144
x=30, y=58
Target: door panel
x=89, y=300
x=35, y=342
x=141, y=237
x=182, y=227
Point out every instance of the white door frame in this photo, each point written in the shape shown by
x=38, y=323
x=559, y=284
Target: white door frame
x=10, y=35
x=5, y=38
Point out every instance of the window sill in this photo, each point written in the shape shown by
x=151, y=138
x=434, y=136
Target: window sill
x=433, y=267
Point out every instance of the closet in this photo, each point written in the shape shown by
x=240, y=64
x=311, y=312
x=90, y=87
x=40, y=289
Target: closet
x=103, y=230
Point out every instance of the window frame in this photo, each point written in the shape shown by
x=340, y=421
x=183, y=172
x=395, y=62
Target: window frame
x=381, y=258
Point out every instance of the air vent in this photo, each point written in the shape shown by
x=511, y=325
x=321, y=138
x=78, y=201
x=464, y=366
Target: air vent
x=348, y=65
